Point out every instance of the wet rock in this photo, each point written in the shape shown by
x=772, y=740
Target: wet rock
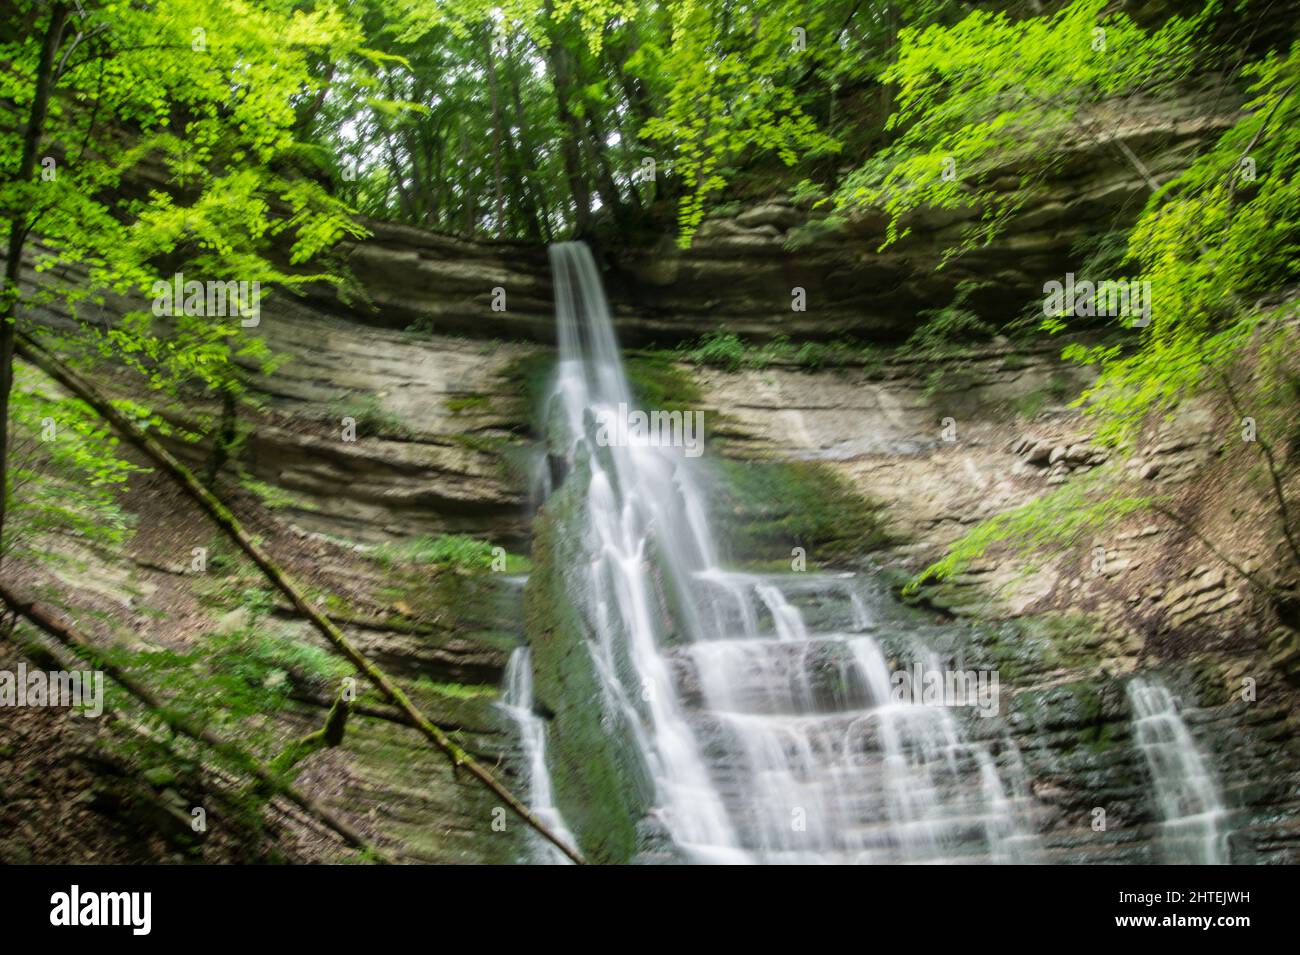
x=779, y=217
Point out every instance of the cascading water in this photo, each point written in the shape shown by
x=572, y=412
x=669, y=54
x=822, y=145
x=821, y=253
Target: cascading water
x=1185, y=789
x=764, y=740
x=517, y=701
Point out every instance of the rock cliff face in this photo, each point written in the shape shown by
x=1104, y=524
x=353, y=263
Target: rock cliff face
x=741, y=269
x=406, y=276
x=1065, y=628
x=443, y=446
x=437, y=422
x=439, y=418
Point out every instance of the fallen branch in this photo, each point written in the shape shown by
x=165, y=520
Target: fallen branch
x=31, y=351
x=79, y=645
x=51, y=655
x=329, y=735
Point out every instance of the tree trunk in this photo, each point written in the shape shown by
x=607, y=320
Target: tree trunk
x=311, y=110
x=557, y=58
x=83, y=648
x=634, y=91
x=228, y=523
x=439, y=154
x=467, y=183
x=494, y=90
x=9, y=294
x=224, y=437
x=527, y=164
x=608, y=188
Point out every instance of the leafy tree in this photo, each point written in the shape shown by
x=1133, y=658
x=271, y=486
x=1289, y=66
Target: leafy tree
x=1211, y=242
x=993, y=90
x=165, y=134
x=64, y=472
x=731, y=89
x=557, y=104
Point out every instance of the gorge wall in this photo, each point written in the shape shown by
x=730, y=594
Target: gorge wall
x=437, y=382
x=743, y=264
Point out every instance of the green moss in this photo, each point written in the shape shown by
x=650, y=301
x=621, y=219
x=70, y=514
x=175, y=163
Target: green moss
x=600, y=787
x=659, y=384
x=1074, y=638
x=467, y=403
x=529, y=377
x=722, y=349
x=371, y=416
x=270, y=496
x=656, y=383
x=461, y=691
x=445, y=550
x=475, y=605
x=1102, y=737
x=482, y=443
x=405, y=783
x=763, y=509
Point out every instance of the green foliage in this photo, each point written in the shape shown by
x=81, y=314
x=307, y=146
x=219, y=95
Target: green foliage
x=457, y=691
x=943, y=341
x=988, y=93
x=1210, y=242
x=719, y=106
x=991, y=91
x=1053, y=522
x=271, y=496
x=446, y=550
x=720, y=349
x=947, y=331
x=232, y=684
x=589, y=90
x=66, y=473
x=260, y=660
x=765, y=508
x=172, y=138
x=723, y=349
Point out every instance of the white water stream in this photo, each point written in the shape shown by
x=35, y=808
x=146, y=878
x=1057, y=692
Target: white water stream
x=770, y=735
x=1185, y=789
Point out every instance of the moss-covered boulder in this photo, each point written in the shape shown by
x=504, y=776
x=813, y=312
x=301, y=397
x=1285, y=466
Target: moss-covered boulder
x=601, y=787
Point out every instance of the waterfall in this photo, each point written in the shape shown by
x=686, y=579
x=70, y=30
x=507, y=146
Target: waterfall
x=765, y=739
x=517, y=701
x=1191, y=808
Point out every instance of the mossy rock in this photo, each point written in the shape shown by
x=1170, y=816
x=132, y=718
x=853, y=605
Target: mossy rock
x=601, y=788
x=656, y=383
x=764, y=509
